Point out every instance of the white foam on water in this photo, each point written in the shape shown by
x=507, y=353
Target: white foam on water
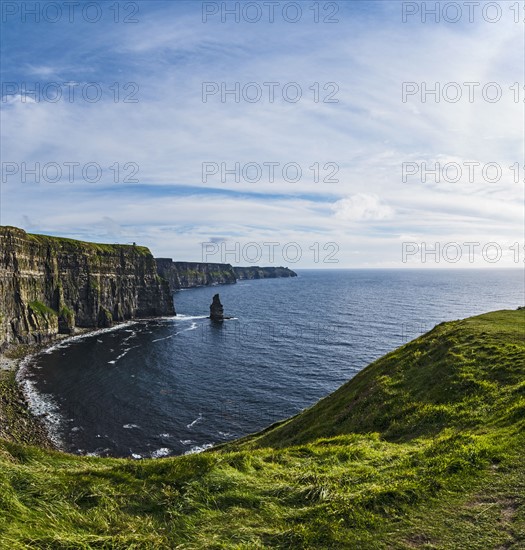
x=186, y=441
x=121, y=355
x=41, y=405
x=97, y=452
x=166, y=338
x=92, y=333
x=196, y=421
x=199, y=448
x=192, y=327
x=159, y=453
x=181, y=317
x=130, y=426
x=165, y=435
x=136, y=456
x=132, y=335
x=165, y=318
x=225, y=434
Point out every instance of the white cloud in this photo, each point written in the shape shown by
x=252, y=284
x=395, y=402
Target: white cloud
x=43, y=71
x=361, y=207
x=369, y=134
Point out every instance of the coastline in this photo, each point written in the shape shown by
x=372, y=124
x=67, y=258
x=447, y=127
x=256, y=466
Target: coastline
x=18, y=422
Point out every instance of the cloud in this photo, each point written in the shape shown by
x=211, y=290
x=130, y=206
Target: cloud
x=43, y=71
x=361, y=207
x=170, y=132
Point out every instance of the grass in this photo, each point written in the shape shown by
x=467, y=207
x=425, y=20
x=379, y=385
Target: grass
x=423, y=449
x=66, y=245
x=41, y=309
x=63, y=244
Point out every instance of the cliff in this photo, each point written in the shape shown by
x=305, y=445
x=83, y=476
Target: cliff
x=256, y=272
x=50, y=285
x=192, y=274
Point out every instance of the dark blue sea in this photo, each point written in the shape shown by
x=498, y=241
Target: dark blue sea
x=176, y=385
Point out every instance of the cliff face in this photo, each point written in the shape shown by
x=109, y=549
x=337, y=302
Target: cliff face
x=50, y=285
x=193, y=274
x=256, y=272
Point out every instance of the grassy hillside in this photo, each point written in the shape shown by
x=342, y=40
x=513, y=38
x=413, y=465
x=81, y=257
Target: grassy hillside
x=461, y=375
x=423, y=449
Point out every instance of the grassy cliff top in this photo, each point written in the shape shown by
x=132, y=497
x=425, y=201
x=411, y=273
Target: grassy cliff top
x=422, y=449
x=64, y=244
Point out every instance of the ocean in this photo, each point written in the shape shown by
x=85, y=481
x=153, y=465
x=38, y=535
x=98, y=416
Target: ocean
x=171, y=386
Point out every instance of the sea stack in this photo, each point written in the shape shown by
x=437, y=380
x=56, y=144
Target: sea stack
x=216, y=309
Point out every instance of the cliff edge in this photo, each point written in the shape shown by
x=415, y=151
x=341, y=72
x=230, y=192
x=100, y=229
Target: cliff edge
x=256, y=272
x=50, y=285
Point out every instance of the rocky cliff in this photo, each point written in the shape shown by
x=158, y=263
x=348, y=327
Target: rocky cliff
x=50, y=285
x=193, y=274
x=256, y=272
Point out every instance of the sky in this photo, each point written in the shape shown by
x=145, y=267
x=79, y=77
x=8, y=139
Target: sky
x=307, y=137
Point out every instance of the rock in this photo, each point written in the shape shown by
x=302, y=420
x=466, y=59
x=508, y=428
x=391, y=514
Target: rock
x=105, y=319
x=216, y=309
x=66, y=321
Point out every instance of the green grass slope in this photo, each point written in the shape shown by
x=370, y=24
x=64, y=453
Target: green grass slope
x=423, y=449
x=463, y=375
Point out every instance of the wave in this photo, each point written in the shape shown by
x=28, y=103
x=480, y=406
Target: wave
x=44, y=407
x=92, y=333
x=199, y=448
x=125, y=352
x=166, y=338
x=130, y=426
x=132, y=335
x=159, y=453
x=182, y=317
x=97, y=453
x=196, y=421
x=193, y=326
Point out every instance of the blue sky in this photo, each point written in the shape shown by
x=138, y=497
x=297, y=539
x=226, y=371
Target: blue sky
x=170, y=132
